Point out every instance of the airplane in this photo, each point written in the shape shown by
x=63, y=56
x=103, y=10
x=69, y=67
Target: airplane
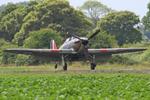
x=75, y=48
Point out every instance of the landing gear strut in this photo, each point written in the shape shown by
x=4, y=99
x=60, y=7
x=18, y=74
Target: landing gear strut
x=65, y=67
x=93, y=64
x=64, y=63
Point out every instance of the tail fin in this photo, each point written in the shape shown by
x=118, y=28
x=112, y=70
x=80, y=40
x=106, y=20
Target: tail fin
x=53, y=45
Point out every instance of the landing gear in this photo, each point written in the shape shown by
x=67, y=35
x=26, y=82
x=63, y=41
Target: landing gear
x=65, y=67
x=93, y=66
x=56, y=66
x=64, y=63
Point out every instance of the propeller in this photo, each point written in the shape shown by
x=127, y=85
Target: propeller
x=85, y=42
x=94, y=34
x=86, y=53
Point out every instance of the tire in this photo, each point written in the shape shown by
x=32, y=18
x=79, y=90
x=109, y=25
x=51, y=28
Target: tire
x=56, y=66
x=93, y=66
x=65, y=67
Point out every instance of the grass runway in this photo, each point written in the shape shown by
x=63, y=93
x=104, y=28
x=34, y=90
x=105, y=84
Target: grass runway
x=44, y=83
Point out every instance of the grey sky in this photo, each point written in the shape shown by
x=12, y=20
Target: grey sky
x=137, y=6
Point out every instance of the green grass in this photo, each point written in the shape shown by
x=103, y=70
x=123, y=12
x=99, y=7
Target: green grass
x=74, y=86
x=43, y=83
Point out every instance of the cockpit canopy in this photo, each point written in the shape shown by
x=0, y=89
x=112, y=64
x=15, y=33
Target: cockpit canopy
x=69, y=39
x=75, y=39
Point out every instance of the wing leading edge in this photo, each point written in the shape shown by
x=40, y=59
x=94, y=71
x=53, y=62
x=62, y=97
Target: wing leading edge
x=41, y=52
x=115, y=50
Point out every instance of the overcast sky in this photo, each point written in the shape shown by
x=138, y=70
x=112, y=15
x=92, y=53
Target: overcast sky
x=137, y=6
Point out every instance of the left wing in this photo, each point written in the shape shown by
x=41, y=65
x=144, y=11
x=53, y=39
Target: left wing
x=41, y=52
x=115, y=50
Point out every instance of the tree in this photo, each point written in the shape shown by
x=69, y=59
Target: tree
x=55, y=14
x=121, y=25
x=103, y=40
x=6, y=9
x=145, y=34
x=146, y=22
x=146, y=19
x=11, y=20
x=41, y=38
x=2, y=8
x=94, y=10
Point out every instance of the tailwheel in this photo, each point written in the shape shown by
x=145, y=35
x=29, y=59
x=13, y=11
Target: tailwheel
x=65, y=67
x=93, y=66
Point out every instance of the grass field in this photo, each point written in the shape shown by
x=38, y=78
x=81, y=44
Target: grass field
x=43, y=83
x=76, y=67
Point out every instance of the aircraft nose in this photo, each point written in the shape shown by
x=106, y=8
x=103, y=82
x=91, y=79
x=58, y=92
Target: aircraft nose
x=85, y=42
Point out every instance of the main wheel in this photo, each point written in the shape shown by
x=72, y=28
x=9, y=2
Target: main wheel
x=56, y=66
x=93, y=66
x=65, y=67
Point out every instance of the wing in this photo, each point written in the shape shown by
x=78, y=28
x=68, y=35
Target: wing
x=58, y=52
x=114, y=50
x=41, y=52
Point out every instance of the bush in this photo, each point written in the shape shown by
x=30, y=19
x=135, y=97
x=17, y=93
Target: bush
x=41, y=38
x=6, y=58
x=145, y=57
x=121, y=59
x=139, y=57
x=22, y=60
